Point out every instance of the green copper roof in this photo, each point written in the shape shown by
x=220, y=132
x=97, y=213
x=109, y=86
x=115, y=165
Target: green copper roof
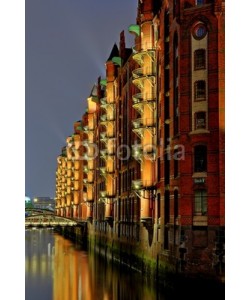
x=135, y=29
x=103, y=82
x=117, y=60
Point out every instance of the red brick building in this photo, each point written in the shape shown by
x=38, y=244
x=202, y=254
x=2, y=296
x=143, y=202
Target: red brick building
x=154, y=190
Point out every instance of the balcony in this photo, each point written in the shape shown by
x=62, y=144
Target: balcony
x=140, y=75
x=137, y=98
x=147, y=188
x=149, y=152
x=85, y=142
x=106, y=119
x=104, y=153
x=87, y=182
x=140, y=100
x=103, y=101
x=103, y=135
x=137, y=123
x=103, y=194
x=103, y=171
x=103, y=118
x=146, y=47
x=85, y=156
x=143, y=72
x=143, y=123
x=137, y=184
x=137, y=152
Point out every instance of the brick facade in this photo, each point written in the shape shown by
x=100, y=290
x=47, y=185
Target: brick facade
x=163, y=102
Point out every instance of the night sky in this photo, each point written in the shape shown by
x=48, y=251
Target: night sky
x=67, y=43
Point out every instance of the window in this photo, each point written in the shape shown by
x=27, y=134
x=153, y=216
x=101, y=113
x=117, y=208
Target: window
x=200, y=202
x=199, y=59
x=199, y=2
x=175, y=86
x=200, y=120
x=176, y=163
x=200, y=159
x=200, y=90
x=199, y=31
x=176, y=209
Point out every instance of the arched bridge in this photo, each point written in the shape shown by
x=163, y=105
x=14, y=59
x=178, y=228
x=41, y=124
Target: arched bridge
x=35, y=211
x=46, y=218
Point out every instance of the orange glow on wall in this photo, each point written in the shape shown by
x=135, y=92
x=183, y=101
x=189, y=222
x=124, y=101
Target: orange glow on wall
x=69, y=199
x=108, y=210
x=91, y=105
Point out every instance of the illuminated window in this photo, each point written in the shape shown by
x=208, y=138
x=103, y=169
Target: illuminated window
x=199, y=59
x=200, y=158
x=200, y=90
x=200, y=202
x=200, y=120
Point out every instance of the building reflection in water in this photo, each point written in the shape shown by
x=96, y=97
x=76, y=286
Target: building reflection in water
x=57, y=270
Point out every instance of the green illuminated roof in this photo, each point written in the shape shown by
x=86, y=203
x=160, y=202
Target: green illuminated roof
x=135, y=29
x=103, y=82
x=117, y=60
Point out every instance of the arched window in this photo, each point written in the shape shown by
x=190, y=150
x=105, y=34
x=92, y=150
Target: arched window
x=200, y=158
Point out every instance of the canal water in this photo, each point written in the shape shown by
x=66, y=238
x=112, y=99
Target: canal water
x=57, y=269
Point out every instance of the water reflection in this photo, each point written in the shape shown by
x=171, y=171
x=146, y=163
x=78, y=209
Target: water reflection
x=56, y=269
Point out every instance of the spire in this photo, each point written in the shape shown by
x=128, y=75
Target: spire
x=114, y=52
x=93, y=91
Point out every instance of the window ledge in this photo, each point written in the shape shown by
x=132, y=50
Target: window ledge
x=200, y=220
x=199, y=131
x=199, y=174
